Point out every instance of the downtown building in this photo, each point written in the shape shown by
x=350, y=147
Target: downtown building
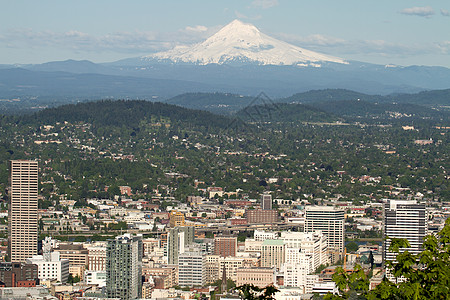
x=261, y=216
x=192, y=268
x=225, y=246
x=178, y=239
x=330, y=221
x=404, y=219
x=272, y=254
x=18, y=274
x=96, y=256
x=51, y=266
x=266, y=201
x=124, y=267
x=77, y=256
x=304, y=253
x=23, y=207
x=312, y=245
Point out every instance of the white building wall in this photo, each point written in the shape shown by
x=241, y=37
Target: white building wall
x=191, y=269
x=51, y=266
x=261, y=235
x=95, y=277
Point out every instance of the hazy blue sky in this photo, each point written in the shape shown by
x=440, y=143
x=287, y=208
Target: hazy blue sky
x=404, y=32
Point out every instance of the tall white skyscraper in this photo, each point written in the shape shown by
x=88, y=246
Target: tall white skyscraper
x=23, y=207
x=330, y=221
x=404, y=219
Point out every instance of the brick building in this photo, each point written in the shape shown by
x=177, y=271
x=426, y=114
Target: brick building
x=225, y=246
x=259, y=216
x=18, y=275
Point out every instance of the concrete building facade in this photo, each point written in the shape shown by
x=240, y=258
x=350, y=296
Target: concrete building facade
x=266, y=201
x=272, y=254
x=23, y=206
x=51, y=266
x=260, y=277
x=75, y=253
x=97, y=257
x=259, y=216
x=192, y=269
x=178, y=239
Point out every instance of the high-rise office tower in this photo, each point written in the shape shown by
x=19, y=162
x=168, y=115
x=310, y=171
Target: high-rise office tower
x=404, y=219
x=177, y=239
x=23, y=206
x=266, y=201
x=331, y=222
x=124, y=267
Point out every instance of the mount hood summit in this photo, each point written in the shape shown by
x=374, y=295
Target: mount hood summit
x=244, y=43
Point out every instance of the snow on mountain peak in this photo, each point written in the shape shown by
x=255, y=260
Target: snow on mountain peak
x=243, y=42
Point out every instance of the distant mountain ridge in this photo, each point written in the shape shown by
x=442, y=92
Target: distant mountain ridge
x=139, y=81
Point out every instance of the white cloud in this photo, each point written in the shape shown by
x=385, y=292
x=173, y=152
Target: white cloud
x=311, y=40
x=145, y=42
x=444, y=47
x=445, y=13
x=198, y=28
x=264, y=4
x=425, y=11
x=346, y=48
x=122, y=42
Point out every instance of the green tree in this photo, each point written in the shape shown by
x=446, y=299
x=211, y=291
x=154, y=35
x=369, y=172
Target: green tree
x=348, y=284
x=252, y=292
x=352, y=247
x=427, y=274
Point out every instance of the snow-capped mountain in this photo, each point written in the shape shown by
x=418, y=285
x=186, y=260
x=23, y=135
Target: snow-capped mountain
x=243, y=42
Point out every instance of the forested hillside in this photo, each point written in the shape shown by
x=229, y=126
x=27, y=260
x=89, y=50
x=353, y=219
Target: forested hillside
x=161, y=150
x=126, y=113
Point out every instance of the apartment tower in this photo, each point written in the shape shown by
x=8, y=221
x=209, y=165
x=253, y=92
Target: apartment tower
x=23, y=207
x=124, y=267
x=177, y=240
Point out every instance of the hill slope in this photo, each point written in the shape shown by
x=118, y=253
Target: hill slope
x=283, y=112
x=127, y=113
x=425, y=98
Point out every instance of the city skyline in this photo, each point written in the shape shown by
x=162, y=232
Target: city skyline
x=401, y=32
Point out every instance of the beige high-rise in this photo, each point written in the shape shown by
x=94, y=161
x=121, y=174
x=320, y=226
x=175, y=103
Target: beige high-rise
x=23, y=206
